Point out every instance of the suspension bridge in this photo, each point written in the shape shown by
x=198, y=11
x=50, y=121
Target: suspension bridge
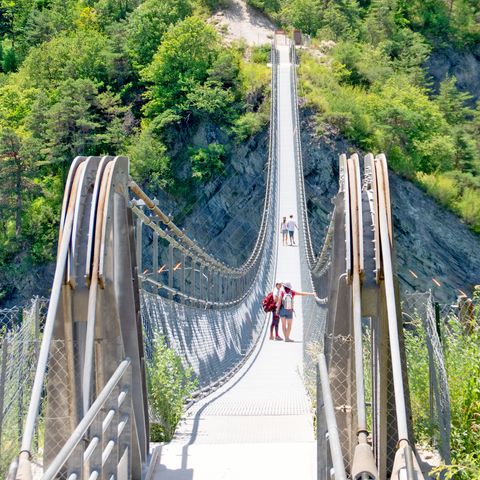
x=252, y=416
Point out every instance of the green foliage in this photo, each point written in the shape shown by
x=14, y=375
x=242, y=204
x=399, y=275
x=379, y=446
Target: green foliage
x=462, y=353
x=469, y=207
x=457, y=191
x=441, y=187
x=260, y=54
x=452, y=103
x=418, y=380
x=148, y=23
x=9, y=61
x=181, y=64
x=41, y=220
x=83, y=54
x=268, y=6
x=169, y=385
x=115, y=10
x=302, y=14
x=462, y=360
x=150, y=163
x=80, y=120
x=249, y=124
x=207, y=162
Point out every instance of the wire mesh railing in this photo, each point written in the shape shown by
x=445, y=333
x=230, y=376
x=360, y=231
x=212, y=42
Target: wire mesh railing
x=208, y=312
x=19, y=346
x=180, y=269
x=424, y=321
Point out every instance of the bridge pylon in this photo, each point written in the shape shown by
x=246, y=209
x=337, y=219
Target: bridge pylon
x=90, y=385
x=364, y=334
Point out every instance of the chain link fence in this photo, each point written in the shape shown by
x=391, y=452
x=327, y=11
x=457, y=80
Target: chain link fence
x=423, y=320
x=19, y=346
x=210, y=341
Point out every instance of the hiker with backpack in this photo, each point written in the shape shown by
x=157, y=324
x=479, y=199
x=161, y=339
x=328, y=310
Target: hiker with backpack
x=285, y=308
x=275, y=317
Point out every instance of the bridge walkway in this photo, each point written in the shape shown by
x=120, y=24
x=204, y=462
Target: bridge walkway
x=258, y=425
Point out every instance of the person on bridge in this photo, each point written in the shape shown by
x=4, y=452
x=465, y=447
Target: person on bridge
x=284, y=230
x=285, y=308
x=291, y=226
x=275, y=317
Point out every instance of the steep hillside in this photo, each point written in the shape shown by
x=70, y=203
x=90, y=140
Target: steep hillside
x=430, y=241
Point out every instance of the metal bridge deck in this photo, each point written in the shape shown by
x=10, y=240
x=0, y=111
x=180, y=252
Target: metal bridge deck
x=258, y=425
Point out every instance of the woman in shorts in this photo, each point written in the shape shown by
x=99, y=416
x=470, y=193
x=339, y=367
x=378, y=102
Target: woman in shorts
x=285, y=308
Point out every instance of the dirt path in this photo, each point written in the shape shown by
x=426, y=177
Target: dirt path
x=244, y=22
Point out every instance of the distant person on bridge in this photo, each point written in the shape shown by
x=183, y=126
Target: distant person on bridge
x=291, y=226
x=284, y=230
x=285, y=308
x=275, y=317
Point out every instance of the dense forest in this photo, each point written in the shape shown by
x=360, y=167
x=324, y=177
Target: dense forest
x=365, y=74
x=114, y=77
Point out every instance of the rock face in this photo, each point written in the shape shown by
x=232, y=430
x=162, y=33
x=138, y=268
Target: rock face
x=464, y=65
x=226, y=219
x=430, y=241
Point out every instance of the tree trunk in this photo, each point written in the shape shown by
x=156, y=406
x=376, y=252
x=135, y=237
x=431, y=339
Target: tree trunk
x=18, y=195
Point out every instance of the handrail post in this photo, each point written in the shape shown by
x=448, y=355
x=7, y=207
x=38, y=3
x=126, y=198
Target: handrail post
x=333, y=436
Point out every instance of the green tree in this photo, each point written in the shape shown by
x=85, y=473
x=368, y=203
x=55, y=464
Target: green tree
x=115, y=10
x=83, y=54
x=340, y=19
x=9, y=61
x=48, y=20
x=149, y=160
x=16, y=171
x=148, y=24
x=432, y=17
x=182, y=64
x=303, y=15
x=207, y=162
x=81, y=122
x=411, y=127
x=452, y=102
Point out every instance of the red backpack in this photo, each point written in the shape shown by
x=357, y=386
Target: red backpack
x=268, y=303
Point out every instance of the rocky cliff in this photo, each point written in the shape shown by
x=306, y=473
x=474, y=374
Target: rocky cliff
x=463, y=64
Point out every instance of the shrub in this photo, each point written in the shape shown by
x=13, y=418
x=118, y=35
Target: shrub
x=462, y=361
x=418, y=379
x=469, y=208
x=261, y=54
x=207, y=162
x=169, y=385
x=248, y=125
x=441, y=187
x=150, y=163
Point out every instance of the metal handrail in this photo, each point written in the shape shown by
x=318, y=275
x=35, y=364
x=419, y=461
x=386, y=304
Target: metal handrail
x=333, y=438
x=191, y=246
x=245, y=274
x=82, y=429
x=48, y=330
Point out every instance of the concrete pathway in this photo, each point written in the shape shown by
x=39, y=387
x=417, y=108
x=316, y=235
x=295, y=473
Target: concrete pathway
x=259, y=425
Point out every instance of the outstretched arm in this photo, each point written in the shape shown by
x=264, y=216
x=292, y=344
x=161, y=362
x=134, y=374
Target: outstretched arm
x=310, y=294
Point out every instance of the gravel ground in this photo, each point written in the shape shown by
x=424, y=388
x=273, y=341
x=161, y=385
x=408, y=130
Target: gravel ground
x=240, y=21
